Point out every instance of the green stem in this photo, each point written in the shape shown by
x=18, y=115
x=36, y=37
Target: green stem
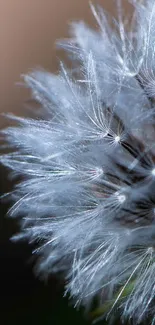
x=109, y=303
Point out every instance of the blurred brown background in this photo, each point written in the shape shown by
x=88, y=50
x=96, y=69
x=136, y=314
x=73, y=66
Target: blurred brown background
x=28, y=31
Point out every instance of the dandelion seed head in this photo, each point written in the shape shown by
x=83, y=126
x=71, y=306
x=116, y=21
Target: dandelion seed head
x=85, y=166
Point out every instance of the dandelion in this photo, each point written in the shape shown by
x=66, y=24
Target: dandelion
x=87, y=191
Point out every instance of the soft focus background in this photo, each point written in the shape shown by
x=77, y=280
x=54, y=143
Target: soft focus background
x=28, y=31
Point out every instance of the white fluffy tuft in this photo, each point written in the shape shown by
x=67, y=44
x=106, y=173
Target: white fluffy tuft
x=87, y=193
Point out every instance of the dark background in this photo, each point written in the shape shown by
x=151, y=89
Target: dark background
x=24, y=298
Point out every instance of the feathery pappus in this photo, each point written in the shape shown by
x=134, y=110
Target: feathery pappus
x=87, y=191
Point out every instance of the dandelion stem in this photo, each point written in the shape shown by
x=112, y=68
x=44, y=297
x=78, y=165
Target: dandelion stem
x=98, y=312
